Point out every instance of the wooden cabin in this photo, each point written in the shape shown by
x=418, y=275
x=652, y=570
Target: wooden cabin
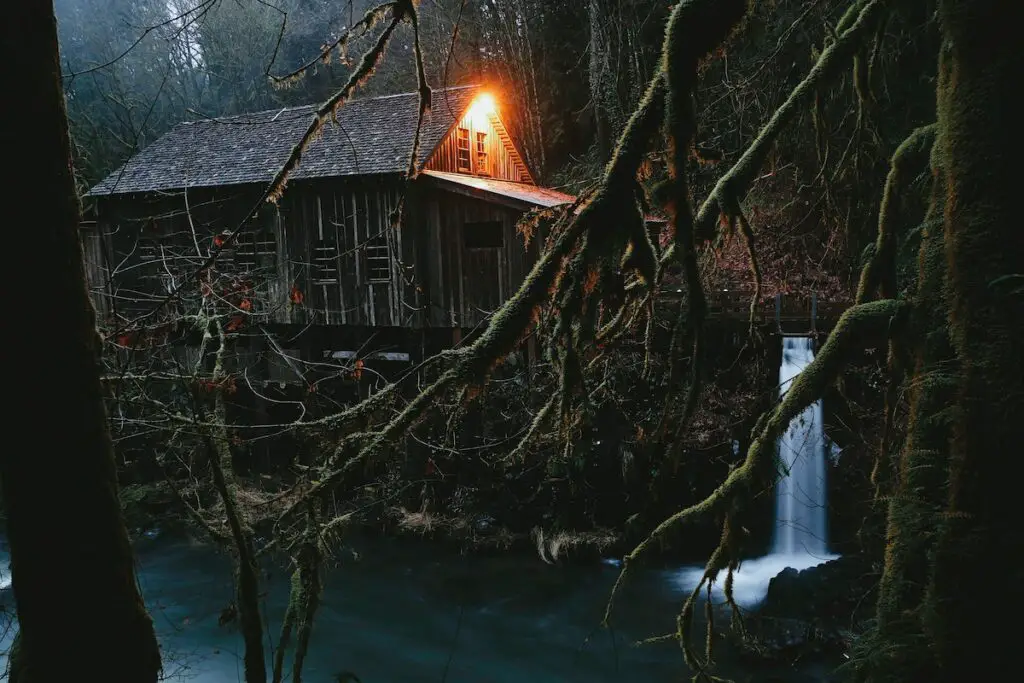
x=324, y=268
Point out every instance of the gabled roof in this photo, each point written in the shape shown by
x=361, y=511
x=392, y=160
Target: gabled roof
x=373, y=136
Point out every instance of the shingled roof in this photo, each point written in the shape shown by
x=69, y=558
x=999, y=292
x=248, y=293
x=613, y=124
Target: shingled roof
x=374, y=135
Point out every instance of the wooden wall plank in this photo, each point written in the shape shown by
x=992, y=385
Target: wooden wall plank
x=503, y=161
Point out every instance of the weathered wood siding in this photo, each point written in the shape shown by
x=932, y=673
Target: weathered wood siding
x=502, y=160
x=468, y=282
x=97, y=270
x=305, y=260
x=356, y=219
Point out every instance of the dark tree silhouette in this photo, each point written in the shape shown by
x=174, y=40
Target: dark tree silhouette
x=79, y=607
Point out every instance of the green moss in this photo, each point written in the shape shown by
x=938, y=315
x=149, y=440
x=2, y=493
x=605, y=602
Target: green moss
x=914, y=490
x=880, y=270
x=982, y=146
x=837, y=55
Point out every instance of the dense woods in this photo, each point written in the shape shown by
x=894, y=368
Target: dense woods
x=859, y=152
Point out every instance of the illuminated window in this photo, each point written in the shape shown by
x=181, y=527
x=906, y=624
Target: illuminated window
x=481, y=153
x=462, y=149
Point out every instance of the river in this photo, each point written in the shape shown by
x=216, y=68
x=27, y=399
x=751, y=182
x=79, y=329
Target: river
x=408, y=611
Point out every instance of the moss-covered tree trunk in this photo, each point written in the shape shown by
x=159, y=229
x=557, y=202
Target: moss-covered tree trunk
x=951, y=580
x=977, y=591
x=79, y=609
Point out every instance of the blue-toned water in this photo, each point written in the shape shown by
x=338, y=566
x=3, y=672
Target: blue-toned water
x=407, y=612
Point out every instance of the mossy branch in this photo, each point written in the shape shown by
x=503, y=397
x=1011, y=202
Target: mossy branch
x=365, y=24
x=909, y=159
x=246, y=565
x=519, y=452
x=694, y=29
x=738, y=179
x=424, y=96
x=329, y=108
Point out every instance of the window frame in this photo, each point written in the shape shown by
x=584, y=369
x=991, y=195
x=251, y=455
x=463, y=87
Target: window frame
x=481, y=152
x=325, y=262
x=376, y=250
x=256, y=250
x=463, y=152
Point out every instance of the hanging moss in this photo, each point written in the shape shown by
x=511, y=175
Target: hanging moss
x=694, y=29
x=896, y=648
x=880, y=270
x=737, y=181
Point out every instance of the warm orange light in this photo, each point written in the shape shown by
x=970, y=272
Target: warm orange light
x=482, y=109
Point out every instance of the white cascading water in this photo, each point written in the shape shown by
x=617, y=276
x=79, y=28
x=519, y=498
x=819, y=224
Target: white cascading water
x=801, y=517
x=800, y=537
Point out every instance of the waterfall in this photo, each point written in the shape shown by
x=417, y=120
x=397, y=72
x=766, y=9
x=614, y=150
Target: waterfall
x=801, y=514
x=800, y=536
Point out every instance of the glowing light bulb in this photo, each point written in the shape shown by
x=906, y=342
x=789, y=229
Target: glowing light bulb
x=481, y=110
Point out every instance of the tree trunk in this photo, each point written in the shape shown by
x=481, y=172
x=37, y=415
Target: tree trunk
x=977, y=576
x=954, y=520
x=79, y=608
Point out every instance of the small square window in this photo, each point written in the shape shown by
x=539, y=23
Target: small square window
x=256, y=250
x=378, y=259
x=325, y=262
x=483, y=235
x=149, y=264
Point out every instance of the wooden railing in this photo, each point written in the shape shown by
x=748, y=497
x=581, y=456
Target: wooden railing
x=791, y=314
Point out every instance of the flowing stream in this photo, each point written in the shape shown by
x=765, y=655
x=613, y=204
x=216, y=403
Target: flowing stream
x=800, y=538
x=408, y=612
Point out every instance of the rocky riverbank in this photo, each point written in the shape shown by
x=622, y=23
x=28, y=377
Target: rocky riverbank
x=812, y=614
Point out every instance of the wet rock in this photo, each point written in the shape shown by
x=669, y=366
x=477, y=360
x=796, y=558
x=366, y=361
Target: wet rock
x=829, y=593
x=809, y=614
